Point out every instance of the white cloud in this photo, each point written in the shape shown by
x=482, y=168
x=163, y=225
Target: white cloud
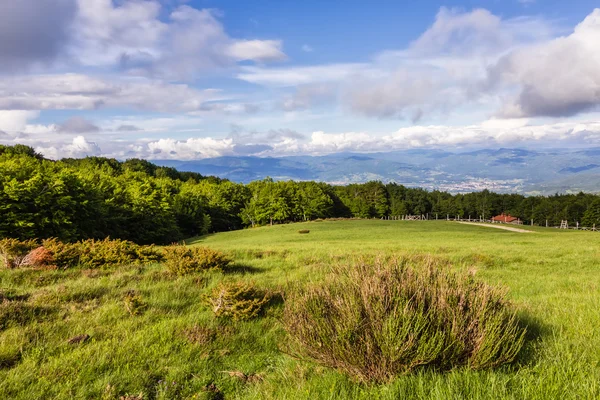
x=193, y=148
x=16, y=120
x=82, y=92
x=295, y=76
x=257, y=50
x=190, y=42
x=77, y=148
x=443, y=70
x=307, y=49
x=558, y=78
x=489, y=134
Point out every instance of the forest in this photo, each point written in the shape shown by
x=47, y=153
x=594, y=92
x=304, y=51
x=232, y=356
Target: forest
x=95, y=197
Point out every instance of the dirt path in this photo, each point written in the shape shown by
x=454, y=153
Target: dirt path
x=498, y=226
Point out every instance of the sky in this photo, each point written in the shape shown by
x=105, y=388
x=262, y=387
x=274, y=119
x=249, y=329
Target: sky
x=194, y=79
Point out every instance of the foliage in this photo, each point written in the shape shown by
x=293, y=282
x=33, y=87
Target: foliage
x=240, y=301
x=99, y=253
x=107, y=252
x=591, y=217
x=65, y=255
x=135, y=200
x=376, y=320
x=181, y=259
x=13, y=252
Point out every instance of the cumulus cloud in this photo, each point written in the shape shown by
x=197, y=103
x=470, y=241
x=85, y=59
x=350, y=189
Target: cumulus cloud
x=192, y=148
x=189, y=42
x=133, y=35
x=444, y=69
x=77, y=125
x=559, y=78
x=34, y=32
x=77, y=148
x=277, y=142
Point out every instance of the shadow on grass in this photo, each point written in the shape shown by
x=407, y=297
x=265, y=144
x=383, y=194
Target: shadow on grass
x=198, y=239
x=536, y=332
x=241, y=269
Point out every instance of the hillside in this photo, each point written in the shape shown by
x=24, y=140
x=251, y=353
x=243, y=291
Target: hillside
x=163, y=353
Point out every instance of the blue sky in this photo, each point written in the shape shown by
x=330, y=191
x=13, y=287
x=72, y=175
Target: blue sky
x=195, y=79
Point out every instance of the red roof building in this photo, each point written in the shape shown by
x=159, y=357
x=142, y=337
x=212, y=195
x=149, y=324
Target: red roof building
x=505, y=218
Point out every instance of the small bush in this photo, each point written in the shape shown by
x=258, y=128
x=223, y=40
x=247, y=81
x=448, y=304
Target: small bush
x=304, y=231
x=134, y=303
x=13, y=252
x=183, y=260
x=378, y=319
x=240, y=301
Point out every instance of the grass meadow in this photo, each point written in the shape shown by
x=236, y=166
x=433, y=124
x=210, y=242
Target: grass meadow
x=173, y=347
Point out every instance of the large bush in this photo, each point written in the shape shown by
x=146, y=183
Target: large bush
x=181, y=260
x=100, y=253
x=377, y=319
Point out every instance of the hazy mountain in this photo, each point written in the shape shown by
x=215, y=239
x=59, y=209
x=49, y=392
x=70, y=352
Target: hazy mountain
x=502, y=170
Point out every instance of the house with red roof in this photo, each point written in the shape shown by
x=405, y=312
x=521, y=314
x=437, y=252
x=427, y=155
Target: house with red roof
x=506, y=219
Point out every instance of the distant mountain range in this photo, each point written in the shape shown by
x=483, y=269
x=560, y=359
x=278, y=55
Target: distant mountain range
x=501, y=170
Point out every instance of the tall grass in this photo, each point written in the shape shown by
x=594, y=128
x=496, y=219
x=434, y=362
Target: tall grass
x=377, y=319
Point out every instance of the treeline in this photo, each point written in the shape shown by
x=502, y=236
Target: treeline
x=136, y=200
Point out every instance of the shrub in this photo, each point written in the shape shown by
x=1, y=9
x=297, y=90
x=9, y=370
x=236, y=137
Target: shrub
x=240, y=301
x=13, y=252
x=100, y=253
x=107, y=252
x=182, y=260
x=134, y=302
x=304, y=231
x=375, y=320
x=65, y=255
x=39, y=258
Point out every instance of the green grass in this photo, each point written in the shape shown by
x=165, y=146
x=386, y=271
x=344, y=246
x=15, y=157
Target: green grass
x=553, y=276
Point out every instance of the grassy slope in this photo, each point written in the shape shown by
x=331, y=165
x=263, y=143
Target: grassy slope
x=553, y=276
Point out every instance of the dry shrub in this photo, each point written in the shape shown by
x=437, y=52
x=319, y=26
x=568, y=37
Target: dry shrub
x=377, y=319
x=39, y=258
x=240, y=301
x=303, y=231
x=181, y=260
x=13, y=252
